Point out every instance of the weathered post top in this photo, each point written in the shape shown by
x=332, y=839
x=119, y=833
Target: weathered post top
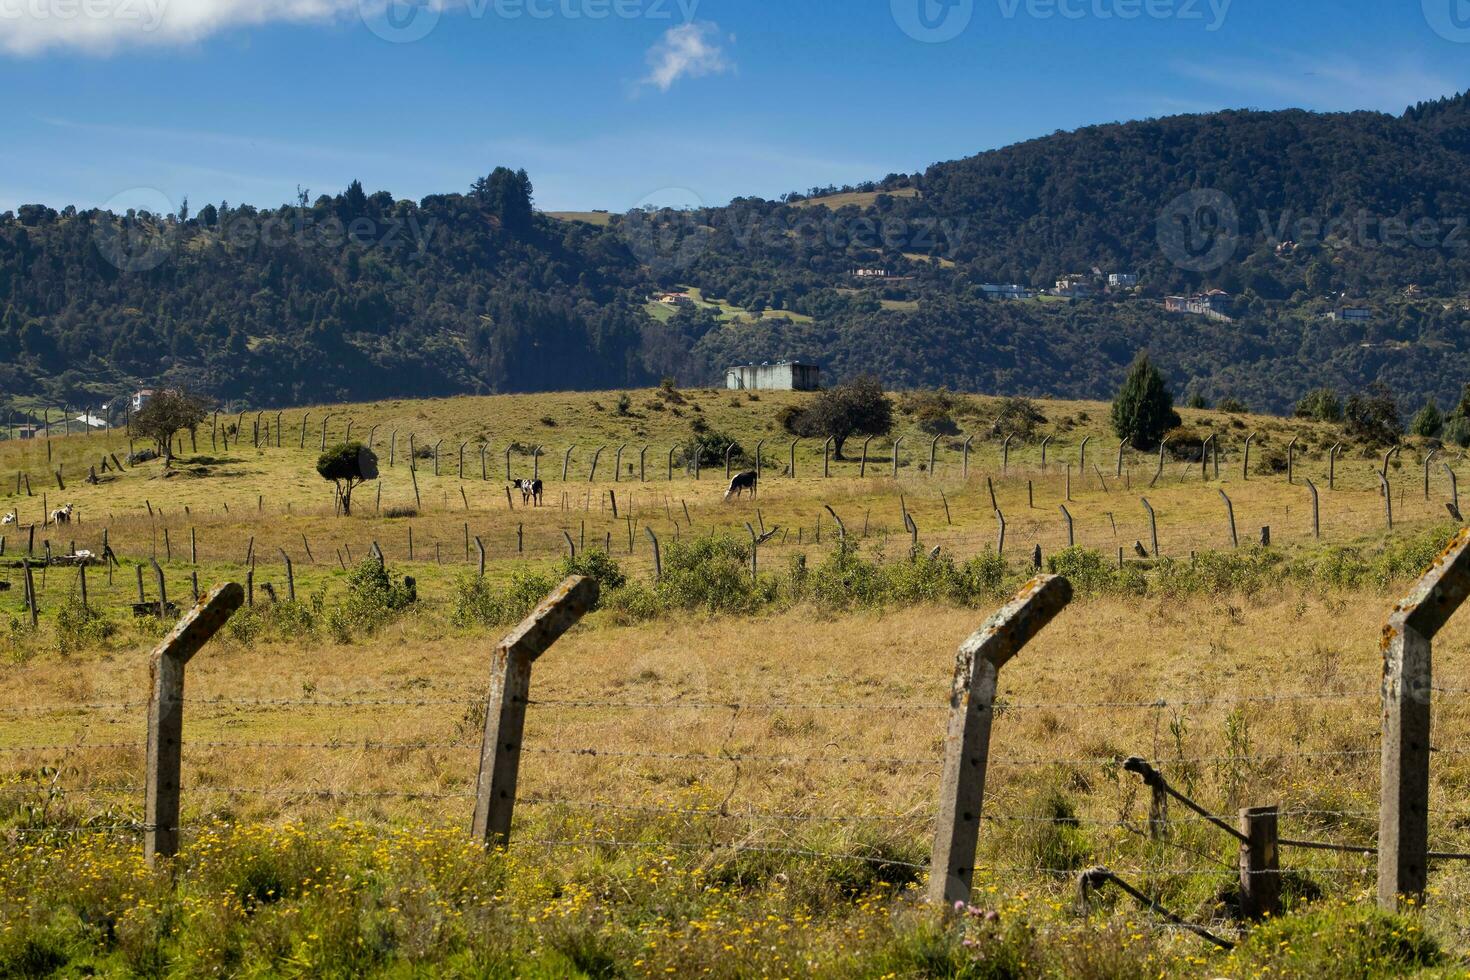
x=1014, y=625
x=1437, y=594
x=202, y=622
x=557, y=613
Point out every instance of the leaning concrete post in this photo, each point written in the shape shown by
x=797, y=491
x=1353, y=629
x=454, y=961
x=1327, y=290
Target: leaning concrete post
x=1245, y=466
x=1082, y=456
x=658, y=565
x=1121, y=444
x=1454, y=488
x=596, y=455
x=566, y=462
x=1067, y=516
x=1044, y=443
x=1403, y=815
x=1153, y=524
x=1316, y=510
x=510, y=689
x=1230, y=515
x=1158, y=474
x=166, y=717
x=967, y=738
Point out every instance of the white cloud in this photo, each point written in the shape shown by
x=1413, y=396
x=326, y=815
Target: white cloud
x=689, y=50
x=100, y=26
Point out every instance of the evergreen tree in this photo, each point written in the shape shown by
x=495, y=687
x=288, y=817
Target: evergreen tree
x=1144, y=409
x=1428, y=422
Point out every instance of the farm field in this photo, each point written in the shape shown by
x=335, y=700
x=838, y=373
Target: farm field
x=721, y=775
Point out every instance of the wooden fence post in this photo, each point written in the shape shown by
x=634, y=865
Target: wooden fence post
x=510, y=689
x=1260, y=863
x=166, y=717
x=1230, y=514
x=967, y=738
x=1403, y=815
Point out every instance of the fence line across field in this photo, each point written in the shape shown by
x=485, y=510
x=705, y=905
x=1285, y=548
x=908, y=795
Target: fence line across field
x=974, y=707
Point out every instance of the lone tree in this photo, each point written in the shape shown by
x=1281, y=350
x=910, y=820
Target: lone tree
x=854, y=408
x=165, y=415
x=1144, y=409
x=348, y=464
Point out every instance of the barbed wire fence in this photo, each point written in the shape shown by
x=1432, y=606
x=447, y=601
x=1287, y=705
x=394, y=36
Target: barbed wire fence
x=884, y=839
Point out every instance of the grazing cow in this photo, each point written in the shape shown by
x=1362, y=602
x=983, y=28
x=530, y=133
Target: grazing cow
x=61, y=515
x=10, y=518
x=530, y=490
x=740, y=483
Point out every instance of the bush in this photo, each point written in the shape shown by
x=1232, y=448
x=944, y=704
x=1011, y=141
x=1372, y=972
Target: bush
x=373, y=600
x=1320, y=405
x=1428, y=423
x=1231, y=406
x=476, y=603
x=1373, y=417
x=596, y=565
x=1456, y=431
x=77, y=627
x=1017, y=417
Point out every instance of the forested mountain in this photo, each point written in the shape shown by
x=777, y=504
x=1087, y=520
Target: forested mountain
x=1295, y=214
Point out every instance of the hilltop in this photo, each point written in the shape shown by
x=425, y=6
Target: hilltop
x=478, y=292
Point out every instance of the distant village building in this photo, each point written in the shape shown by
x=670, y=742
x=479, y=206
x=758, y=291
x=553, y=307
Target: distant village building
x=872, y=273
x=675, y=299
x=1350, y=314
x=1006, y=290
x=1076, y=286
x=1122, y=280
x=781, y=376
x=91, y=421
x=141, y=398
x=1217, y=304
x=27, y=431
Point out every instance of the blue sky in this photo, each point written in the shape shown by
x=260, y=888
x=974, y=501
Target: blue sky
x=612, y=103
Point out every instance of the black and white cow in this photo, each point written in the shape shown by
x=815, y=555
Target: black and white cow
x=62, y=515
x=530, y=490
x=10, y=518
x=740, y=483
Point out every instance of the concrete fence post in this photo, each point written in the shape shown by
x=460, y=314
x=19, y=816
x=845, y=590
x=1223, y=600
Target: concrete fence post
x=1082, y=455
x=592, y=472
x=934, y=452
x=1153, y=524
x=1044, y=443
x=1387, y=499
x=618, y=464
x=759, y=466
x=1428, y=462
x=1230, y=515
x=1454, y=490
x=863, y=466
x=967, y=737
x=1071, y=534
x=1005, y=455
x=658, y=565
x=510, y=689
x=672, y=450
x=566, y=462
x=166, y=717
x=1291, y=460
x=896, y=443
x=1121, y=444
x=1316, y=510
x=791, y=463
x=965, y=465
x=1204, y=458
x=1332, y=466
x=290, y=576
x=643, y=465
x=1159, y=473
x=827, y=459
x=730, y=449
x=1245, y=466
x=1403, y=815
